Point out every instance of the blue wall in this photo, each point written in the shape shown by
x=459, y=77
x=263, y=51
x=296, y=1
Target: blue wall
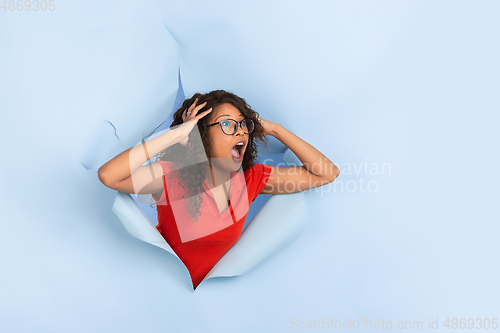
x=401, y=95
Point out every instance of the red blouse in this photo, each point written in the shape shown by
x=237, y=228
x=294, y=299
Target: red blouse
x=200, y=244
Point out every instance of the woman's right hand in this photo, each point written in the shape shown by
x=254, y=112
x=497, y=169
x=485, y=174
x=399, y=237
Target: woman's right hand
x=190, y=118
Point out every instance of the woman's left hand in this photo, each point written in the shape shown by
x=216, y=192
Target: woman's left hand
x=269, y=126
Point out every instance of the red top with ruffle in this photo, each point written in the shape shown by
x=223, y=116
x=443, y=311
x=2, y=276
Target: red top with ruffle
x=202, y=243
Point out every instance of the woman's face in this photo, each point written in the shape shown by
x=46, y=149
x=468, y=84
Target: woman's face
x=224, y=151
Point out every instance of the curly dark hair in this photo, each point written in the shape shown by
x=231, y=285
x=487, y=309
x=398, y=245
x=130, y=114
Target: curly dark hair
x=191, y=174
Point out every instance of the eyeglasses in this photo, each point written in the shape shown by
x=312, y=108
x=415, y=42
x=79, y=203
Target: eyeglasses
x=230, y=126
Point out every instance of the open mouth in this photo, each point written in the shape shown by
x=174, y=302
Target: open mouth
x=238, y=151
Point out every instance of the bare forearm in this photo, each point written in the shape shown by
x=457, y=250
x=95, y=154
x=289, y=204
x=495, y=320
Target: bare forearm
x=312, y=159
x=125, y=164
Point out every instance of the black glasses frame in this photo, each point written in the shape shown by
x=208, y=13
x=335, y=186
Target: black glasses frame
x=240, y=123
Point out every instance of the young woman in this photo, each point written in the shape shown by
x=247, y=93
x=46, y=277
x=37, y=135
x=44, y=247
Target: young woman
x=205, y=179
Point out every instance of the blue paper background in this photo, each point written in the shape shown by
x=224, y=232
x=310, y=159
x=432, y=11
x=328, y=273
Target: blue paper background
x=410, y=83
